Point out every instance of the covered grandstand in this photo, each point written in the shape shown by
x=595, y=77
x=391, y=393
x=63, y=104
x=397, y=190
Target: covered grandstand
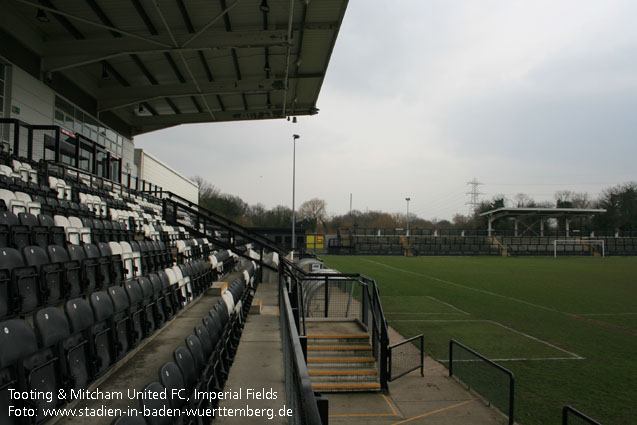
x=107, y=261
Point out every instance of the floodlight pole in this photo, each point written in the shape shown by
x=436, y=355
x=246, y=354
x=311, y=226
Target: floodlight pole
x=294, y=137
x=407, y=216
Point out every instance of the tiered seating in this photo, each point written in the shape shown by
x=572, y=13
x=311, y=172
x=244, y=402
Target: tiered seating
x=87, y=273
x=203, y=363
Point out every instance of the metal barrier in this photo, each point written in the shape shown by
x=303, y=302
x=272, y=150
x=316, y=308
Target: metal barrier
x=298, y=387
x=405, y=357
x=341, y=295
x=487, y=378
x=572, y=416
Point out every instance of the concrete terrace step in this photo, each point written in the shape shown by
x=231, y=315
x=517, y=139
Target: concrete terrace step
x=338, y=386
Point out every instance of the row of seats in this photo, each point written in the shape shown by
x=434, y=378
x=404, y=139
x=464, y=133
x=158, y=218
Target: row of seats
x=67, y=348
x=37, y=276
x=204, y=361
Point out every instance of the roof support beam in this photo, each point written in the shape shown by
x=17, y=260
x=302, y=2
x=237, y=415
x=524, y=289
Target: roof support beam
x=119, y=97
x=61, y=55
x=56, y=12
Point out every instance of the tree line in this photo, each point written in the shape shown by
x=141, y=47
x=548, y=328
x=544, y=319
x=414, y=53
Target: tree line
x=620, y=203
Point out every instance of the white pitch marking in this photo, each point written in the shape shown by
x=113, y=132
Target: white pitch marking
x=574, y=356
x=429, y=314
x=607, y=314
x=465, y=287
x=518, y=359
x=452, y=306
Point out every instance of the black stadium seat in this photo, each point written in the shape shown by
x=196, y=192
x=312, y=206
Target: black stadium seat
x=129, y=420
x=154, y=404
x=25, y=368
x=149, y=305
x=102, y=264
x=122, y=334
x=89, y=268
x=102, y=330
x=50, y=274
x=24, y=289
x=54, y=330
x=139, y=325
x=74, y=284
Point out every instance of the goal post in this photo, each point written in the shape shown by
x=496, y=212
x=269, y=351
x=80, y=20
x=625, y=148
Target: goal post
x=584, y=242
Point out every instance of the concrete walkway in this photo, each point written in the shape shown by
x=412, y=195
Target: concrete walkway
x=258, y=366
x=434, y=399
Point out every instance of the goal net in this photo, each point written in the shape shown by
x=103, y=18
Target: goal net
x=578, y=246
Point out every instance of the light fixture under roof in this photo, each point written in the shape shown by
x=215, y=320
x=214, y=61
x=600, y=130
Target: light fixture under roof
x=264, y=6
x=267, y=67
x=42, y=16
x=105, y=75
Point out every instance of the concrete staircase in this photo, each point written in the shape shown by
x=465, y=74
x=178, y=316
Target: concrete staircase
x=342, y=362
x=405, y=243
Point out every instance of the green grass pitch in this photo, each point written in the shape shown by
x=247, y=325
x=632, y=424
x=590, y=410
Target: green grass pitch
x=566, y=327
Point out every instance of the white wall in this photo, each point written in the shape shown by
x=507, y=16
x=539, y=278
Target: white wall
x=154, y=171
x=34, y=99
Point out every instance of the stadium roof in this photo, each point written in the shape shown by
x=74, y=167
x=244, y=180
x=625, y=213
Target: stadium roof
x=143, y=65
x=544, y=212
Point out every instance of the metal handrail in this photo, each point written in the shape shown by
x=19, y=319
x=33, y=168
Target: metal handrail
x=494, y=365
x=566, y=410
x=312, y=415
x=421, y=366
x=223, y=222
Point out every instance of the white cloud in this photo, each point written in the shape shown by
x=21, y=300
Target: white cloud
x=421, y=97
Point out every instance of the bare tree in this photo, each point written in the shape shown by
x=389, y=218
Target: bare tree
x=314, y=211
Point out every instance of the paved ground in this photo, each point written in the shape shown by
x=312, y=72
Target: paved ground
x=434, y=399
x=258, y=365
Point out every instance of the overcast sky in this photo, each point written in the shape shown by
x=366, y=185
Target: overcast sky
x=422, y=96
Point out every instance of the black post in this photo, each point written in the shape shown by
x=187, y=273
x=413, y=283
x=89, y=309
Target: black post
x=422, y=355
x=511, y=400
x=323, y=407
x=303, y=341
x=451, y=357
x=365, y=302
x=327, y=295
x=389, y=357
x=565, y=415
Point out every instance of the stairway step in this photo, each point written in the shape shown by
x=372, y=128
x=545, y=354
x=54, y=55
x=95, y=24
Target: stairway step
x=338, y=339
x=332, y=387
x=343, y=375
x=340, y=361
x=339, y=347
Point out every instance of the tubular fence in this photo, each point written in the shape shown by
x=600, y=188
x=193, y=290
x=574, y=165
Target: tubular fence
x=487, y=378
x=340, y=295
x=406, y=357
x=572, y=416
x=298, y=387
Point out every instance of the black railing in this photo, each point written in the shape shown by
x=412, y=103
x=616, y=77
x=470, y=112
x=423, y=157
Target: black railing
x=341, y=295
x=178, y=209
x=298, y=387
x=406, y=356
x=487, y=378
x=572, y=416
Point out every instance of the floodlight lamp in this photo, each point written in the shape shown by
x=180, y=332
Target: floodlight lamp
x=42, y=16
x=294, y=120
x=264, y=6
x=105, y=74
x=296, y=136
